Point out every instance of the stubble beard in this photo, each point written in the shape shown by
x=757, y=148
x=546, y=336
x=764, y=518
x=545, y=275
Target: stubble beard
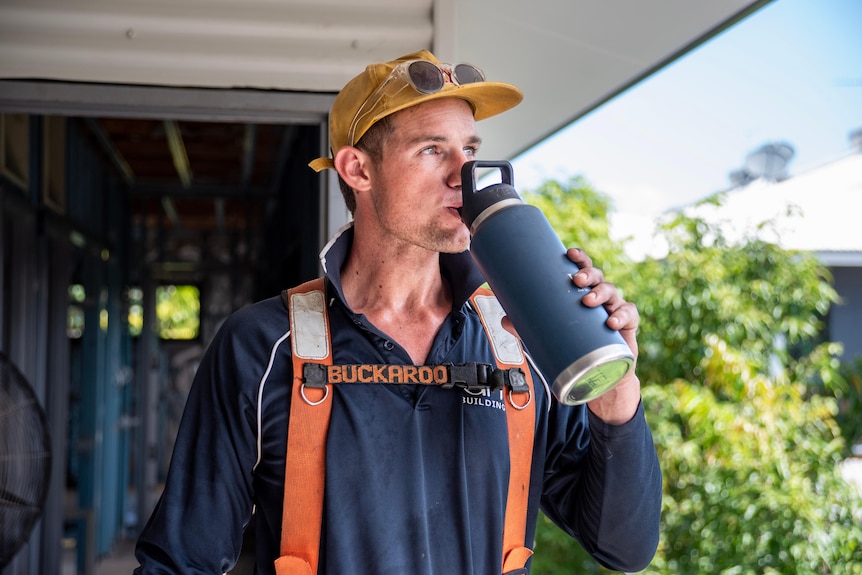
x=452, y=243
x=436, y=233
x=434, y=237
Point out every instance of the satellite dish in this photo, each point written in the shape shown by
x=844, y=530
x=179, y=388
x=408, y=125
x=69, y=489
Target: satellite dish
x=769, y=161
x=739, y=178
x=25, y=460
x=856, y=139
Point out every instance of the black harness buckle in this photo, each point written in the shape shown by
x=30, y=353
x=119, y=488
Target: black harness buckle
x=314, y=375
x=471, y=376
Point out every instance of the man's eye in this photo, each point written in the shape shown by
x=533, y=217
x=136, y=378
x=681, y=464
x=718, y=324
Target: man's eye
x=430, y=150
x=470, y=151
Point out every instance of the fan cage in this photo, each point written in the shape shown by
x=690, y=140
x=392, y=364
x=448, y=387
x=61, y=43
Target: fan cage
x=25, y=460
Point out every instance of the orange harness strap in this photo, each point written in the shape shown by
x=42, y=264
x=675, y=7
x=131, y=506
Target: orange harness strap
x=521, y=423
x=305, y=468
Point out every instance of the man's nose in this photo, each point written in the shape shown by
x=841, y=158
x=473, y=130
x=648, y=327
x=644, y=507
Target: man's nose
x=455, y=170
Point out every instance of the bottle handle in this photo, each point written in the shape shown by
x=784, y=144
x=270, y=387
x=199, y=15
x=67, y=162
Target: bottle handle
x=468, y=172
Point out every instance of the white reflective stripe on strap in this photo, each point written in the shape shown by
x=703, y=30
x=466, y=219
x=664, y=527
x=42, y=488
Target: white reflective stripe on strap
x=308, y=318
x=520, y=428
x=506, y=346
x=305, y=465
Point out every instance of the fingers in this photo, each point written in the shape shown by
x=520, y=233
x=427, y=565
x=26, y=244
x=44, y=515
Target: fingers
x=603, y=293
x=588, y=275
x=580, y=257
x=623, y=315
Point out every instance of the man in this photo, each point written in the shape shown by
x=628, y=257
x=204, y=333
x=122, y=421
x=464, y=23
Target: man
x=416, y=476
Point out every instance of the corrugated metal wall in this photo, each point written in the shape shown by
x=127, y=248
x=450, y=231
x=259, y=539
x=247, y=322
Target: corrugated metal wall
x=290, y=44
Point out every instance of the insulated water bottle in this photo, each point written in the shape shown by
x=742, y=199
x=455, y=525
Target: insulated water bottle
x=525, y=264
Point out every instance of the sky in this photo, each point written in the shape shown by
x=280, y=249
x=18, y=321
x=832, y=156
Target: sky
x=791, y=72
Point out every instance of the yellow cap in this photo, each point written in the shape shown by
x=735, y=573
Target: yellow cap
x=486, y=98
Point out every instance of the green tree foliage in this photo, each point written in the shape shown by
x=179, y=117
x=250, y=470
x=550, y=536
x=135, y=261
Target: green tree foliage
x=742, y=396
x=178, y=311
x=850, y=402
x=764, y=302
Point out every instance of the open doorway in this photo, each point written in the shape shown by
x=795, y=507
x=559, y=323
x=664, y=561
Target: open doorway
x=149, y=190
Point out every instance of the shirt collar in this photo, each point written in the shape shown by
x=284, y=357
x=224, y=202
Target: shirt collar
x=459, y=269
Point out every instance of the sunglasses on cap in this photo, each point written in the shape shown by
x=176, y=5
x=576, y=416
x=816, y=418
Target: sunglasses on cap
x=424, y=76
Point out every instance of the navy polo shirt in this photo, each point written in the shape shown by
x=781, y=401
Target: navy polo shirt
x=417, y=475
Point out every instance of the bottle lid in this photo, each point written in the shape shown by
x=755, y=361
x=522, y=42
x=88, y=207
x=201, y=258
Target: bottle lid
x=476, y=202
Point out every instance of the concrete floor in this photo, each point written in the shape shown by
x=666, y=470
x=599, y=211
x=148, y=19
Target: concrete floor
x=121, y=561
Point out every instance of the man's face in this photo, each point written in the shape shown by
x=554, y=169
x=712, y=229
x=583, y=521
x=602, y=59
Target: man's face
x=416, y=188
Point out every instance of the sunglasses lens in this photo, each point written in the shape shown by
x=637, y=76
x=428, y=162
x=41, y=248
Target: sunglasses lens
x=425, y=76
x=467, y=74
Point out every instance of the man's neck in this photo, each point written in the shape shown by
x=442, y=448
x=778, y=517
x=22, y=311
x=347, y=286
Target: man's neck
x=392, y=277
x=401, y=290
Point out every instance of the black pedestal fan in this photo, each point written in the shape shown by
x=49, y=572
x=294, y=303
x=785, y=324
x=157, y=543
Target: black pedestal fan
x=25, y=460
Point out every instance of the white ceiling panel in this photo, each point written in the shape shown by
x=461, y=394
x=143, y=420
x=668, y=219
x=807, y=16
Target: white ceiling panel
x=568, y=56
x=311, y=45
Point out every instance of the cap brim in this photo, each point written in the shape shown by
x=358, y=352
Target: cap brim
x=487, y=99
x=321, y=164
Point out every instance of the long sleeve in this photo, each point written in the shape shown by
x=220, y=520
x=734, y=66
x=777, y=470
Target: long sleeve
x=606, y=492
x=197, y=525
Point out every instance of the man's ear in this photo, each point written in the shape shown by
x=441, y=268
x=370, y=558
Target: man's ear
x=352, y=165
